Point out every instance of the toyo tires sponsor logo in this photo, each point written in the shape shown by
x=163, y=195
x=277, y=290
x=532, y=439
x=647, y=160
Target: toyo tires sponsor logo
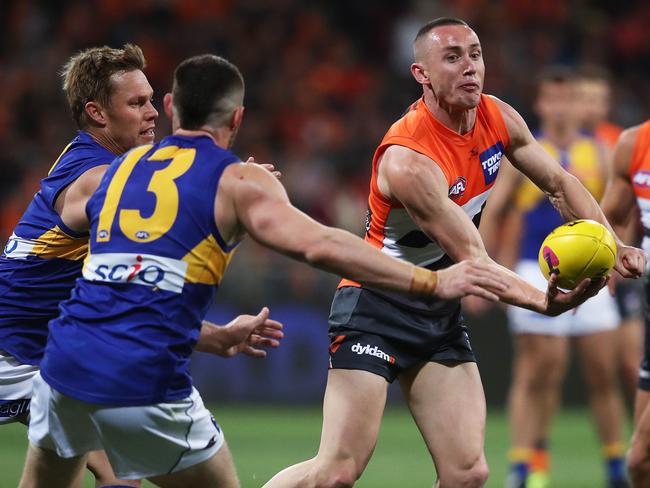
x=491, y=161
x=372, y=351
x=138, y=269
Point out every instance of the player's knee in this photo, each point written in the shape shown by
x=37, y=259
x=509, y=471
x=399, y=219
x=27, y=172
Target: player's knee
x=601, y=380
x=474, y=476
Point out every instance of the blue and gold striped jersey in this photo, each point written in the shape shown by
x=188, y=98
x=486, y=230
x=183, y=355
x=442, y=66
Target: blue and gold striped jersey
x=583, y=159
x=156, y=257
x=43, y=257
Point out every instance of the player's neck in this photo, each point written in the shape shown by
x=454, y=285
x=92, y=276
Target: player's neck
x=104, y=139
x=220, y=137
x=454, y=118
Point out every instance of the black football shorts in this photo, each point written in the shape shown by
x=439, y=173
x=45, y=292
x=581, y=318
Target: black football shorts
x=370, y=333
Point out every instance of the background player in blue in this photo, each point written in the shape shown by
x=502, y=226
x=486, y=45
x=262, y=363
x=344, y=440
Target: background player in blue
x=542, y=344
x=110, y=100
x=163, y=225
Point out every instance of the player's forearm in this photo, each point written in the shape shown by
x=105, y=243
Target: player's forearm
x=573, y=201
x=519, y=292
x=210, y=339
x=347, y=255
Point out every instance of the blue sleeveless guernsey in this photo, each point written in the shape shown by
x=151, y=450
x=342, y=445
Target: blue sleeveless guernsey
x=43, y=257
x=583, y=158
x=126, y=334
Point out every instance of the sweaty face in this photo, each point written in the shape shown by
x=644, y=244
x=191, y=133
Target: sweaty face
x=452, y=58
x=557, y=103
x=131, y=117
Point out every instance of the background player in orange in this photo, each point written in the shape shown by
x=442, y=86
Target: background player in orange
x=595, y=97
x=432, y=174
x=629, y=193
x=541, y=344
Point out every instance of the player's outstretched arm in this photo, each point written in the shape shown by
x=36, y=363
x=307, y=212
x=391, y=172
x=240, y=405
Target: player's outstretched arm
x=565, y=191
x=420, y=185
x=259, y=205
x=244, y=334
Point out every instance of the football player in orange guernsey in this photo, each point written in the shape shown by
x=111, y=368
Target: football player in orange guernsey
x=630, y=192
x=595, y=96
x=432, y=173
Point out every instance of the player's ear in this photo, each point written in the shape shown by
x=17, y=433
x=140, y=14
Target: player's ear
x=168, y=101
x=95, y=112
x=420, y=74
x=237, y=117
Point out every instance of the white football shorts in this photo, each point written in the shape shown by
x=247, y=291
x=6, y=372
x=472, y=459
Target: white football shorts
x=15, y=388
x=597, y=314
x=140, y=441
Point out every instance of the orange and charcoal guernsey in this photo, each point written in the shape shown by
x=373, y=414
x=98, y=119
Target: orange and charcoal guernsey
x=470, y=163
x=640, y=177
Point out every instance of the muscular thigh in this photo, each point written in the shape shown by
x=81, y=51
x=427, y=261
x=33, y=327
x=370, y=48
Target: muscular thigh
x=352, y=411
x=448, y=405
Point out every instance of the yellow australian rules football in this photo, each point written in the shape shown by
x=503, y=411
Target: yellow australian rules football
x=577, y=250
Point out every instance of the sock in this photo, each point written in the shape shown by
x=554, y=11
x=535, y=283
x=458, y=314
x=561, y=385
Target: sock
x=614, y=455
x=539, y=460
x=519, y=458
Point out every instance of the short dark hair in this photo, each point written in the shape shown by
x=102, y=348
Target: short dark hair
x=87, y=76
x=207, y=88
x=439, y=22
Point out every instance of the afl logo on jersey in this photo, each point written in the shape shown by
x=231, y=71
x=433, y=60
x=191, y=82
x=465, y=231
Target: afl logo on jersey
x=142, y=234
x=457, y=188
x=490, y=161
x=102, y=234
x=642, y=179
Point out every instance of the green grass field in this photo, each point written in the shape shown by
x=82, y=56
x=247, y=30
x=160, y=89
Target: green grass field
x=267, y=439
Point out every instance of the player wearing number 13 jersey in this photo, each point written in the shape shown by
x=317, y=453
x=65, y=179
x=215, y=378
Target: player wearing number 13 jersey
x=157, y=268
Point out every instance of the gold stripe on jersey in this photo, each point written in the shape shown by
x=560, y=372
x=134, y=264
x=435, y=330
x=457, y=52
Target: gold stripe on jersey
x=207, y=262
x=57, y=244
x=584, y=162
x=57, y=159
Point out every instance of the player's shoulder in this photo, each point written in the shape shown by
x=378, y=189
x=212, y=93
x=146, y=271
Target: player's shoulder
x=630, y=135
x=507, y=111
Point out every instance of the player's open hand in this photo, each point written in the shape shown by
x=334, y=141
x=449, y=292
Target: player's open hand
x=630, y=261
x=267, y=166
x=246, y=334
x=558, y=301
x=470, y=277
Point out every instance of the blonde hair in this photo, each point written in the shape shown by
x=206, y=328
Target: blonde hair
x=87, y=76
